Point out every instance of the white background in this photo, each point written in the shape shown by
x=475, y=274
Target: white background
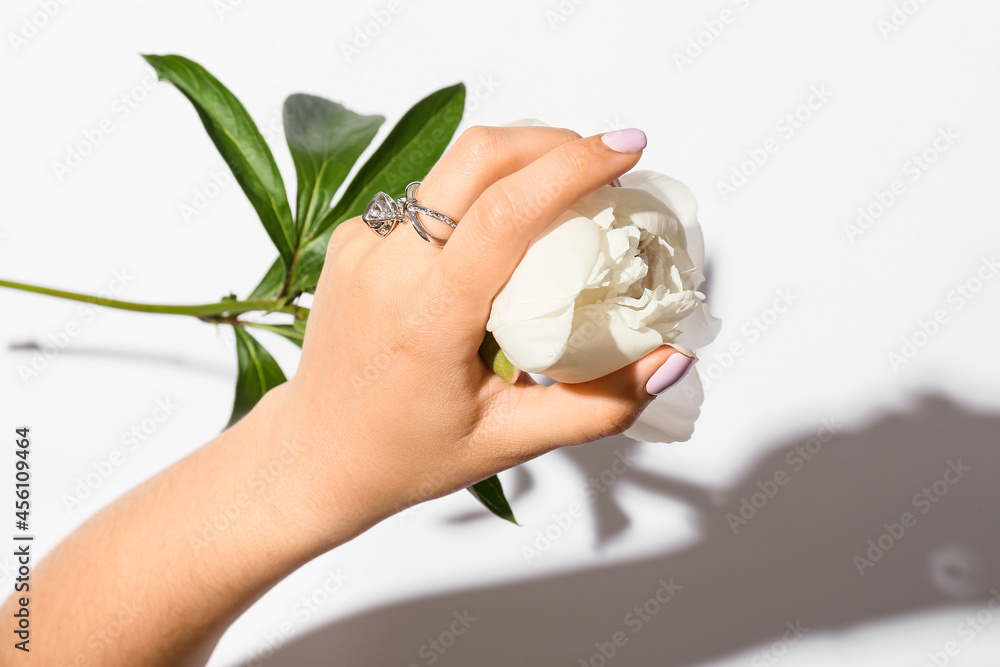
x=893, y=88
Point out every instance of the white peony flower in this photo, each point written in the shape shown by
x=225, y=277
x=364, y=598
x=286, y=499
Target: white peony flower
x=609, y=281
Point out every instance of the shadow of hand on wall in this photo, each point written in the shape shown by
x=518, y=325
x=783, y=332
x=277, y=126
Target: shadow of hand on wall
x=773, y=555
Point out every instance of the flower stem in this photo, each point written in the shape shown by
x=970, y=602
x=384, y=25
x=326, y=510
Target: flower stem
x=209, y=311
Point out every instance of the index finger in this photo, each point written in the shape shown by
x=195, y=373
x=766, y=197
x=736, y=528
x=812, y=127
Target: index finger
x=495, y=233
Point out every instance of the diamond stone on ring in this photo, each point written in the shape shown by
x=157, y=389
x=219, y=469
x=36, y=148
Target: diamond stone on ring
x=383, y=213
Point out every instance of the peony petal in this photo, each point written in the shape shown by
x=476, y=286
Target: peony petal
x=600, y=344
x=679, y=199
x=622, y=243
x=535, y=345
x=599, y=206
x=553, y=271
x=609, y=281
x=649, y=213
x=531, y=317
x=699, y=328
x=526, y=122
x=671, y=415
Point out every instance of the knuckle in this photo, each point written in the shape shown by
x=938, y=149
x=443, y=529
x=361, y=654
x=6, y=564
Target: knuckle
x=567, y=134
x=340, y=236
x=473, y=134
x=497, y=210
x=481, y=144
x=573, y=160
x=347, y=247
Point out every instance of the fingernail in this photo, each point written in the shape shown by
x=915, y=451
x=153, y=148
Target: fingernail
x=617, y=183
x=631, y=140
x=670, y=373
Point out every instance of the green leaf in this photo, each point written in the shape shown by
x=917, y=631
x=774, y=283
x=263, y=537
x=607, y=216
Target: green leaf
x=496, y=360
x=490, y=493
x=289, y=331
x=325, y=140
x=272, y=282
x=239, y=141
x=305, y=273
x=258, y=372
x=413, y=146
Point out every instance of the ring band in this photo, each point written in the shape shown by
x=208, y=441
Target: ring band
x=383, y=213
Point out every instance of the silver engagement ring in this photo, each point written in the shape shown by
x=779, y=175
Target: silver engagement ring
x=383, y=213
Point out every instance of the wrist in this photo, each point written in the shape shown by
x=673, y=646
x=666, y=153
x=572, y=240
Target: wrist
x=305, y=475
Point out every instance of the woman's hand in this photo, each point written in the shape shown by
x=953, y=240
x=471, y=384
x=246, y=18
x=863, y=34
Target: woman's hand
x=391, y=406
x=391, y=397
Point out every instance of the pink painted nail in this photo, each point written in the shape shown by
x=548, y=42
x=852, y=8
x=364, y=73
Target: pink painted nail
x=631, y=140
x=670, y=373
x=617, y=183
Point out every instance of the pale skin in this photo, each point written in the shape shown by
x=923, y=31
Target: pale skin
x=317, y=461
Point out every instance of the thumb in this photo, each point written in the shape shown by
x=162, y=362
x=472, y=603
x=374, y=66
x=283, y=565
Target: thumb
x=569, y=414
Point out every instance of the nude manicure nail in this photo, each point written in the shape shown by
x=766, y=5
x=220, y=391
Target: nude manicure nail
x=670, y=373
x=631, y=140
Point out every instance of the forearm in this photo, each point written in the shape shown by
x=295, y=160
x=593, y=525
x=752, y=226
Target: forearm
x=157, y=576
